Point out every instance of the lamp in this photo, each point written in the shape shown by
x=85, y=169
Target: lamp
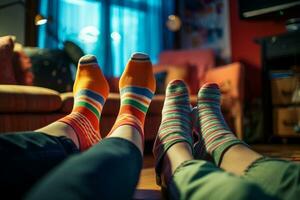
x=40, y=20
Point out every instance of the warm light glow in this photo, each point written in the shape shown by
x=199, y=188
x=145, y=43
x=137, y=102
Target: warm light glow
x=40, y=20
x=172, y=17
x=89, y=34
x=116, y=37
x=173, y=23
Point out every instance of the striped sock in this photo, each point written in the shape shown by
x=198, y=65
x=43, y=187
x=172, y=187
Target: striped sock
x=199, y=146
x=90, y=91
x=176, y=125
x=137, y=86
x=216, y=134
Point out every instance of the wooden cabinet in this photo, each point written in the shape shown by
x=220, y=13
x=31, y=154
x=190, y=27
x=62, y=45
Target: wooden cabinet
x=282, y=90
x=279, y=53
x=285, y=120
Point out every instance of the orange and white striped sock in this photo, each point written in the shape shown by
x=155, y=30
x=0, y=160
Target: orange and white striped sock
x=137, y=86
x=90, y=92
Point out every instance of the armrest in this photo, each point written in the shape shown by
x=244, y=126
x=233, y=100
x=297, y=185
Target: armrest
x=20, y=98
x=230, y=78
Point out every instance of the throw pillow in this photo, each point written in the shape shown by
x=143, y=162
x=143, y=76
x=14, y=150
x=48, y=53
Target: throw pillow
x=51, y=68
x=6, y=51
x=160, y=82
x=22, y=66
x=176, y=73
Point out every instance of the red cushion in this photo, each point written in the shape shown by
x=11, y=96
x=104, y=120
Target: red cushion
x=6, y=69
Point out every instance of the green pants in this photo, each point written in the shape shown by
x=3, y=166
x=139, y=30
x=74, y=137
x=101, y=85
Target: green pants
x=266, y=178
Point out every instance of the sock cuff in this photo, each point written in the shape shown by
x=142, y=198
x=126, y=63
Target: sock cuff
x=85, y=140
x=218, y=153
x=88, y=59
x=128, y=122
x=160, y=152
x=138, y=56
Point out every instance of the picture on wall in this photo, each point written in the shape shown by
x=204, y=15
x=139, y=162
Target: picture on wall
x=206, y=25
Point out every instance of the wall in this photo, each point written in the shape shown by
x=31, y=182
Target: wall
x=12, y=21
x=243, y=47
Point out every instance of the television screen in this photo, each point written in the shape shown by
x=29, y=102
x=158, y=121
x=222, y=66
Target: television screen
x=273, y=8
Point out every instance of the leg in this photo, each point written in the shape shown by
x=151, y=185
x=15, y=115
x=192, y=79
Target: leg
x=238, y=158
x=90, y=92
x=137, y=86
x=28, y=156
x=276, y=177
x=108, y=170
x=184, y=177
x=228, y=152
x=199, y=179
x=115, y=163
x=174, y=139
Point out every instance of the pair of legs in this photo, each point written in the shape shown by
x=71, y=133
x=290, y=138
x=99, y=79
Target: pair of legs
x=236, y=171
x=106, y=168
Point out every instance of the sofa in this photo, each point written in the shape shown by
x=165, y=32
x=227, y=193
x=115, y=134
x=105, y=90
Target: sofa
x=25, y=108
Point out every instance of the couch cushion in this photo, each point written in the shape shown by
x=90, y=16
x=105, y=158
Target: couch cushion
x=200, y=59
x=187, y=72
x=26, y=121
x=17, y=98
x=67, y=102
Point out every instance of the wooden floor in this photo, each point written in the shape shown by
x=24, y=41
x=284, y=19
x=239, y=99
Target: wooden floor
x=147, y=188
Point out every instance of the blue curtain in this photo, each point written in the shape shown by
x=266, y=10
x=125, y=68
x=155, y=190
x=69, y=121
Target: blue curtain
x=110, y=29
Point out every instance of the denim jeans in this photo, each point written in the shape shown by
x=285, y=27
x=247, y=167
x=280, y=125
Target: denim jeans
x=38, y=166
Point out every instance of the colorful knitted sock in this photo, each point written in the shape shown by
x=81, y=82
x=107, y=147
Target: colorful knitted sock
x=199, y=146
x=176, y=124
x=137, y=86
x=216, y=134
x=90, y=92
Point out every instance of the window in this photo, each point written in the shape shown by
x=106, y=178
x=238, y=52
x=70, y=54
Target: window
x=110, y=29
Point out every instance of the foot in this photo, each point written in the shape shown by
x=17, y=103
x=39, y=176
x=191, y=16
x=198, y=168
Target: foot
x=200, y=151
x=90, y=92
x=176, y=125
x=215, y=134
x=137, y=87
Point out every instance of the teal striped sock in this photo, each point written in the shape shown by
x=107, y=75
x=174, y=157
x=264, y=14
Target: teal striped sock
x=217, y=137
x=199, y=146
x=176, y=125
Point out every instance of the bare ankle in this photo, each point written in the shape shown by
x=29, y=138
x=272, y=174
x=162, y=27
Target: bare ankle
x=174, y=157
x=238, y=158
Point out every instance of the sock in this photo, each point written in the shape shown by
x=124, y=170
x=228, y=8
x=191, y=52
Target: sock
x=216, y=134
x=137, y=86
x=90, y=92
x=176, y=124
x=199, y=146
